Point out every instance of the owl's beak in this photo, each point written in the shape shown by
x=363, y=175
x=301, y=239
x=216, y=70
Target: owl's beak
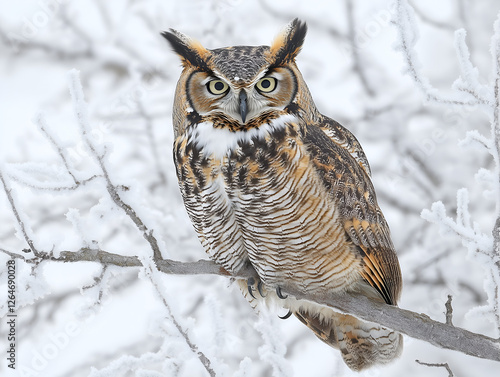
x=243, y=105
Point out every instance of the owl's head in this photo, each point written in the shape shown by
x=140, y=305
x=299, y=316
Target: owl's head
x=240, y=87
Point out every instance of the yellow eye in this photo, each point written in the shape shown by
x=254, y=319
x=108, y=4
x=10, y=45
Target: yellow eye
x=217, y=87
x=267, y=84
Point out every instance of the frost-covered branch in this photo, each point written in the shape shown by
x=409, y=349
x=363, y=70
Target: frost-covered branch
x=106, y=258
x=495, y=131
x=408, y=35
x=415, y=325
x=274, y=349
x=25, y=231
x=151, y=273
x=467, y=91
x=80, y=107
x=42, y=126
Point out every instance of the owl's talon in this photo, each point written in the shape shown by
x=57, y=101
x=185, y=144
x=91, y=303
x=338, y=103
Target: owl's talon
x=280, y=294
x=287, y=315
x=259, y=288
x=250, y=283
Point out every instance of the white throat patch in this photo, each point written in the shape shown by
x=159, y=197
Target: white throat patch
x=219, y=142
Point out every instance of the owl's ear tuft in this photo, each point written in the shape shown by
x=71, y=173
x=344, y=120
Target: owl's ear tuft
x=191, y=52
x=286, y=46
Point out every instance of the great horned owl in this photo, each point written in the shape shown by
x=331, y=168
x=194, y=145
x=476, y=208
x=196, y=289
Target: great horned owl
x=270, y=182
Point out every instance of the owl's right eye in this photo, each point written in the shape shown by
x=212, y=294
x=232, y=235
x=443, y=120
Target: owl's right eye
x=217, y=87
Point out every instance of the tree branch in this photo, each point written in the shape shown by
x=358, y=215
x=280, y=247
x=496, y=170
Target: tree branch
x=495, y=130
x=167, y=266
x=407, y=38
x=13, y=206
x=415, y=325
x=449, y=311
x=445, y=365
x=80, y=107
x=205, y=361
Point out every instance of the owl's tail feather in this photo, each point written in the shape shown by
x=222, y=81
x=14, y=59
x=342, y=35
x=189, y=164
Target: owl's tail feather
x=362, y=344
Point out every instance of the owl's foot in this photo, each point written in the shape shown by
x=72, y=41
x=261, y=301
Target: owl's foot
x=286, y=316
x=259, y=288
x=250, y=284
x=280, y=294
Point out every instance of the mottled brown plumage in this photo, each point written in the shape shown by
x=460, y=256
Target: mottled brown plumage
x=271, y=183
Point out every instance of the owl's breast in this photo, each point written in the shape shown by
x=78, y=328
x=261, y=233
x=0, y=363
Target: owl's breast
x=258, y=200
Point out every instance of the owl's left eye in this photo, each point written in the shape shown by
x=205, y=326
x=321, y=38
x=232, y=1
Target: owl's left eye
x=217, y=87
x=266, y=84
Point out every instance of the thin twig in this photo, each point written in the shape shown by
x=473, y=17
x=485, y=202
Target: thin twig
x=14, y=255
x=444, y=365
x=449, y=311
x=81, y=110
x=42, y=125
x=203, y=358
x=495, y=131
x=71, y=187
x=404, y=16
x=97, y=281
x=13, y=206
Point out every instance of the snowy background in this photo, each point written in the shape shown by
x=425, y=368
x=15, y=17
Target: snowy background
x=82, y=319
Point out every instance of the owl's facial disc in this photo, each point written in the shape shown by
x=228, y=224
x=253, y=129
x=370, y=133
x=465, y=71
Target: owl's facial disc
x=216, y=96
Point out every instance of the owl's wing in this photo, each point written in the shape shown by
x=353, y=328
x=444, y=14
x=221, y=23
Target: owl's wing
x=346, y=177
x=345, y=139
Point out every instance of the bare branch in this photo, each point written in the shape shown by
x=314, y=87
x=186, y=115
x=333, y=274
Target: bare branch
x=495, y=131
x=203, y=359
x=81, y=111
x=42, y=125
x=14, y=255
x=418, y=326
x=201, y=267
x=445, y=365
x=97, y=281
x=449, y=311
x=13, y=206
x=415, y=325
x=52, y=187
